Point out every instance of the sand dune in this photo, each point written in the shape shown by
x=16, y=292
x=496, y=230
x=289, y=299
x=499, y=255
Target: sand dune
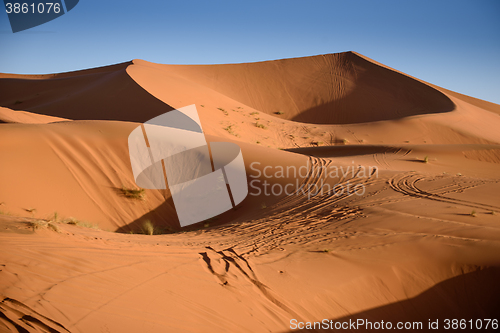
x=421, y=242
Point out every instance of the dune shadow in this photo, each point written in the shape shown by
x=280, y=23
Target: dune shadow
x=107, y=93
x=165, y=220
x=474, y=295
x=346, y=150
x=376, y=94
x=414, y=160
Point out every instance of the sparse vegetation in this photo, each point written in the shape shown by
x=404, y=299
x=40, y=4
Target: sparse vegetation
x=202, y=105
x=426, y=159
x=473, y=213
x=257, y=142
x=32, y=211
x=280, y=112
x=79, y=223
x=39, y=224
x=53, y=227
x=326, y=250
x=206, y=225
x=148, y=228
x=230, y=130
x=223, y=111
x=493, y=212
x=259, y=125
x=263, y=205
x=253, y=113
x=133, y=193
x=71, y=220
x=345, y=141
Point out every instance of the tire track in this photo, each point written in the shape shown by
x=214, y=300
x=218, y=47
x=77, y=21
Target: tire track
x=407, y=185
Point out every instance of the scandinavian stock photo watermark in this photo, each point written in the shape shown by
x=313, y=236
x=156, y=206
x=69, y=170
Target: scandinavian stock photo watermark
x=325, y=179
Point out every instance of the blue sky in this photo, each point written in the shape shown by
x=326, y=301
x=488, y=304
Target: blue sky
x=454, y=44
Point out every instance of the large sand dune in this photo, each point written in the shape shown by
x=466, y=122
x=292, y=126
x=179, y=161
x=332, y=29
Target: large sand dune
x=421, y=242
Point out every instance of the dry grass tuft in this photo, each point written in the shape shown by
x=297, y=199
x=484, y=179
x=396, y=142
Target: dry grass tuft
x=133, y=193
x=148, y=228
x=259, y=125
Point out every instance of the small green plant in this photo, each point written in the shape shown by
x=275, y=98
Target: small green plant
x=230, y=130
x=259, y=125
x=206, y=225
x=263, y=205
x=85, y=224
x=326, y=250
x=223, y=111
x=71, y=220
x=345, y=141
x=202, y=105
x=55, y=218
x=257, y=142
x=38, y=224
x=253, y=113
x=473, y=213
x=148, y=228
x=280, y=112
x=493, y=212
x=53, y=227
x=133, y=193
x=239, y=107
x=426, y=159
x=89, y=225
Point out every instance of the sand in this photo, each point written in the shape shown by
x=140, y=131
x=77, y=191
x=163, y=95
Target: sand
x=422, y=242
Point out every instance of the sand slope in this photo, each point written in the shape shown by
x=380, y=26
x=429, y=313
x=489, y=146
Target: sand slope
x=421, y=242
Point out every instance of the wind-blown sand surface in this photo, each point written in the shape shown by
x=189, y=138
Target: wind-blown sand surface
x=421, y=242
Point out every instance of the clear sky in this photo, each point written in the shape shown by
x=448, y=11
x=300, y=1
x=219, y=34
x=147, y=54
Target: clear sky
x=454, y=44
